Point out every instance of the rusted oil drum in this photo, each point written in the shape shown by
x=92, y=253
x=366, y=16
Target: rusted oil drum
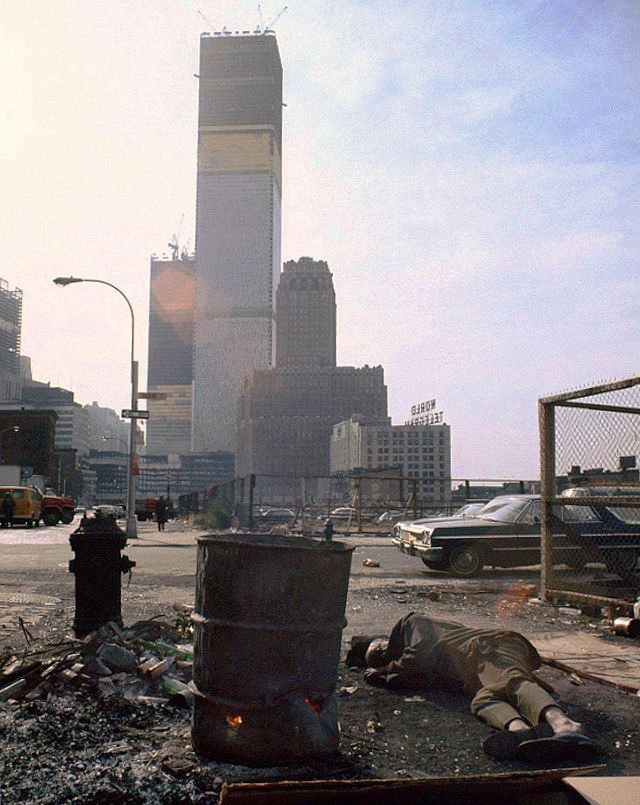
x=268, y=622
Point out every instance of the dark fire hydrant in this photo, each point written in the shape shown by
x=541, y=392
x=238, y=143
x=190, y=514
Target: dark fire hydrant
x=98, y=568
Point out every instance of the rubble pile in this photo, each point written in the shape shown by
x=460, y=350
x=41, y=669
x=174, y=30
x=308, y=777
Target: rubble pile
x=146, y=662
x=93, y=719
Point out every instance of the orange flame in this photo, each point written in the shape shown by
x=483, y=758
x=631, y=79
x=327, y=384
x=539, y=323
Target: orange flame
x=234, y=721
x=314, y=704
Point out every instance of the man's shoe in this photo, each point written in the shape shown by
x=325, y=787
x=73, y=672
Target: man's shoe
x=504, y=745
x=561, y=747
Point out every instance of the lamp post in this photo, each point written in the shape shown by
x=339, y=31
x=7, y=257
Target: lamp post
x=131, y=529
x=116, y=439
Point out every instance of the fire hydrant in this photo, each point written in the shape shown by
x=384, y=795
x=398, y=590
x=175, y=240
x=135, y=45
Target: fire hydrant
x=98, y=567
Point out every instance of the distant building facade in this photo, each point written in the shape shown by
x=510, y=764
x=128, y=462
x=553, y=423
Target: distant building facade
x=412, y=451
x=170, y=363
x=32, y=447
x=72, y=425
x=237, y=225
x=107, y=430
x=306, y=315
x=286, y=416
x=10, y=335
x=173, y=476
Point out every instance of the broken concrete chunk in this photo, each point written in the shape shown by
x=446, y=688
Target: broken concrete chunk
x=95, y=666
x=106, y=687
x=117, y=658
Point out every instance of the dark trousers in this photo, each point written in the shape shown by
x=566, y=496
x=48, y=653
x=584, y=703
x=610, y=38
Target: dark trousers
x=508, y=688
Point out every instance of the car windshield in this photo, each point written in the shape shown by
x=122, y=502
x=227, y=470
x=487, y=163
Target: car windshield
x=527, y=510
x=504, y=509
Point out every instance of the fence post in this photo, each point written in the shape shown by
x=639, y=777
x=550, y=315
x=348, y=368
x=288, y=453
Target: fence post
x=252, y=485
x=546, y=423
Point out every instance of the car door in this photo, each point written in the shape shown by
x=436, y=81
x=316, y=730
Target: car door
x=526, y=542
x=21, y=509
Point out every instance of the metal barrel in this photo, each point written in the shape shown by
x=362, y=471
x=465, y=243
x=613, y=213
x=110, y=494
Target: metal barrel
x=268, y=623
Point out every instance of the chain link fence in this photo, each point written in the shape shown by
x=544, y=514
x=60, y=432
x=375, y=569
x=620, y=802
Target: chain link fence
x=369, y=502
x=590, y=512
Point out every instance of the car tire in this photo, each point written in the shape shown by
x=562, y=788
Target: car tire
x=67, y=516
x=465, y=561
x=50, y=518
x=434, y=565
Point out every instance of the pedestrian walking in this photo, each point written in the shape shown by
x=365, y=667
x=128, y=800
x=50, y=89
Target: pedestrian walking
x=8, y=509
x=161, y=512
x=495, y=667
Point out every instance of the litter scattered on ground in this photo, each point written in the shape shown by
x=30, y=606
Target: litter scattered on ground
x=370, y=563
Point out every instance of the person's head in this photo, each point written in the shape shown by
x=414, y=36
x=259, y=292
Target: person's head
x=376, y=654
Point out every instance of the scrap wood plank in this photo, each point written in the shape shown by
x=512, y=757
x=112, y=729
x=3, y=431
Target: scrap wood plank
x=614, y=663
x=489, y=789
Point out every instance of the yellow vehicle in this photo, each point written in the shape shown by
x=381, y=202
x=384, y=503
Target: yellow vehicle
x=27, y=504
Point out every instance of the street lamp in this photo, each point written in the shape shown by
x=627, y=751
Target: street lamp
x=116, y=439
x=131, y=529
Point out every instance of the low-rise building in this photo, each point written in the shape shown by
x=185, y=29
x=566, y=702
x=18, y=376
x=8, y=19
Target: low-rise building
x=422, y=452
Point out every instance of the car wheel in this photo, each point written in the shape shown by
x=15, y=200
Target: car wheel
x=29, y=523
x=467, y=560
x=434, y=565
x=67, y=516
x=50, y=518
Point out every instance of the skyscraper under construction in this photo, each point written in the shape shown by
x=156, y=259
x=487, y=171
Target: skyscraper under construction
x=237, y=225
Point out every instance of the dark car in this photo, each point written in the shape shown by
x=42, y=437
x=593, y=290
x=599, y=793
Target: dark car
x=506, y=533
x=271, y=517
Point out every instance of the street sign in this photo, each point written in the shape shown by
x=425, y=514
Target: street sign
x=127, y=413
x=152, y=395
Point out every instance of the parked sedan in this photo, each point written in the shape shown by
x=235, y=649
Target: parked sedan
x=271, y=517
x=462, y=513
x=506, y=533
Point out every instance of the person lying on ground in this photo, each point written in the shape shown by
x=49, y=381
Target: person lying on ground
x=495, y=667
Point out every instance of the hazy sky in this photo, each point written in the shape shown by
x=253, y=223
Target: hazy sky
x=468, y=168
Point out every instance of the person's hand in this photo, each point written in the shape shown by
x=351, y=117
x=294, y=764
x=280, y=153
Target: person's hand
x=373, y=676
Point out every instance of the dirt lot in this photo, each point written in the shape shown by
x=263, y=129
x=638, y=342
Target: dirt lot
x=75, y=746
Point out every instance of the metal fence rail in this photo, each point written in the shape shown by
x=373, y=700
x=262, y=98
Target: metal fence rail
x=590, y=516
x=368, y=502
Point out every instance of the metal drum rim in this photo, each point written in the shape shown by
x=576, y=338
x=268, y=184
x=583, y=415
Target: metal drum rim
x=310, y=545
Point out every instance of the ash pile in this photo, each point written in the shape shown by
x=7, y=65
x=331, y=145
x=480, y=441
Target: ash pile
x=102, y=719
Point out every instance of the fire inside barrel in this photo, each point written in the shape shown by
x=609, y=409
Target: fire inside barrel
x=267, y=629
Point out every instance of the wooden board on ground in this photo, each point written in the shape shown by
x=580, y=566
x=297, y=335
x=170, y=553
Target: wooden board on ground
x=592, y=657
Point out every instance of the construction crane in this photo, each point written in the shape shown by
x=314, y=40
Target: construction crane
x=267, y=27
x=209, y=23
x=174, y=243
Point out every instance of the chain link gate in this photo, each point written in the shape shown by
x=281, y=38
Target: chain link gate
x=590, y=513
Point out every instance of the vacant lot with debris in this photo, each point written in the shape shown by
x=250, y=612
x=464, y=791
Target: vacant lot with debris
x=107, y=720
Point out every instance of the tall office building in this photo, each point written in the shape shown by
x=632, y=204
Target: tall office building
x=170, y=370
x=237, y=225
x=10, y=332
x=306, y=315
x=285, y=414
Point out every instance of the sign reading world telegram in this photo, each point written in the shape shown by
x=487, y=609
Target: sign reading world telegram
x=424, y=413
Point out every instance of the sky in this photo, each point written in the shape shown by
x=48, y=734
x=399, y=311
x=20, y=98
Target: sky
x=468, y=168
